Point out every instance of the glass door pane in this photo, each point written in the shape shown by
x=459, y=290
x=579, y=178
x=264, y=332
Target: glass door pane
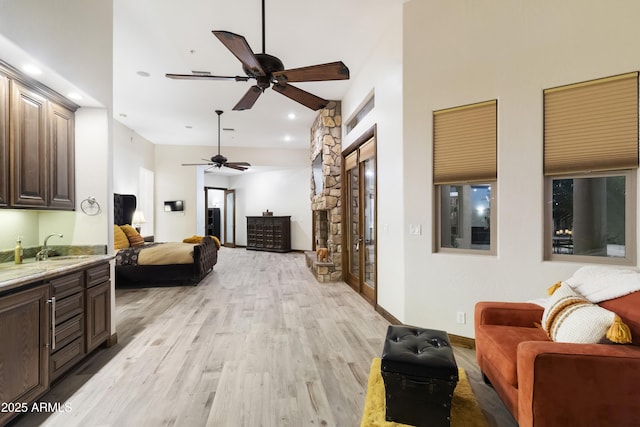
x=369, y=231
x=230, y=218
x=354, y=220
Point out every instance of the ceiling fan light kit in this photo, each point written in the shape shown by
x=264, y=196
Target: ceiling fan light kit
x=269, y=71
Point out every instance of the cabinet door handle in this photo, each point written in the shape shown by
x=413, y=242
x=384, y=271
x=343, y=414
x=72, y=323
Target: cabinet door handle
x=52, y=301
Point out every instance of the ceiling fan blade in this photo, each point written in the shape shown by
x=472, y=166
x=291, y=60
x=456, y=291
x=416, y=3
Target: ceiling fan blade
x=303, y=97
x=238, y=45
x=197, y=164
x=314, y=73
x=204, y=76
x=239, y=164
x=235, y=166
x=249, y=98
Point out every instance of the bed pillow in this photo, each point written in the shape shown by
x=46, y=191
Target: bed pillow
x=569, y=317
x=120, y=240
x=135, y=239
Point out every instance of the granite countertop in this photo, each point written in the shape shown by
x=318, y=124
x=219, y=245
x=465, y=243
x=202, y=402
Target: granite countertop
x=15, y=275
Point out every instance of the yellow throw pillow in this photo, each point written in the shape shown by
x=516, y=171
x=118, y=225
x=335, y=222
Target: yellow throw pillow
x=135, y=239
x=120, y=240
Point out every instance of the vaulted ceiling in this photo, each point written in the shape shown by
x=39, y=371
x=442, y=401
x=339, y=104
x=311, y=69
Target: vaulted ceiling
x=155, y=37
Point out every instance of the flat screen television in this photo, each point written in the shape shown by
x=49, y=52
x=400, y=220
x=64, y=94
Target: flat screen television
x=174, y=206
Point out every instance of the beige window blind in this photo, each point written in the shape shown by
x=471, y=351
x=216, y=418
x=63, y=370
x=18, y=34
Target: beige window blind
x=464, y=144
x=591, y=126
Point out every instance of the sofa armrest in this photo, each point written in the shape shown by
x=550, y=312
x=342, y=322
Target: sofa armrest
x=578, y=384
x=508, y=313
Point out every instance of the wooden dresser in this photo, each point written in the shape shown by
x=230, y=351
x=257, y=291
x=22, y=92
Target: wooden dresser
x=269, y=233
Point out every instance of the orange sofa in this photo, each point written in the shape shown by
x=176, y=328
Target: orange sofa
x=545, y=383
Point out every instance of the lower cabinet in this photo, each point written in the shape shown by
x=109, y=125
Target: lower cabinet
x=67, y=322
x=46, y=329
x=98, y=310
x=24, y=349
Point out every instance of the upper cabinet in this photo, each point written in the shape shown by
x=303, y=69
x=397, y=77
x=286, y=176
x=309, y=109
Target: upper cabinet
x=4, y=141
x=28, y=147
x=62, y=157
x=38, y=147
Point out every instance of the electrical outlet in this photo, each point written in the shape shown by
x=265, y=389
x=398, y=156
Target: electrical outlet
x=461, y=317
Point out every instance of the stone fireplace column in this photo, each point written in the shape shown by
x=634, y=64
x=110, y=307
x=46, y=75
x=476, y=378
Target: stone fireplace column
x=326, y=160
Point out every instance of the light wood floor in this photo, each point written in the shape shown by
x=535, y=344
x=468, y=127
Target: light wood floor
x=257, y=343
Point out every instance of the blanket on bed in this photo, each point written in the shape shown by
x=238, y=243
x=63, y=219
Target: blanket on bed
x=156, y=254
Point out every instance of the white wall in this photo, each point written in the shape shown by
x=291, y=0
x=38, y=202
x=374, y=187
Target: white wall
x=130, y=152
x=382, y=75
x=177, y=182
x=284, y=192
x=462, y=52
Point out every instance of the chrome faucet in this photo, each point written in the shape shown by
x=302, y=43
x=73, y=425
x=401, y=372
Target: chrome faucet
x=44, y=253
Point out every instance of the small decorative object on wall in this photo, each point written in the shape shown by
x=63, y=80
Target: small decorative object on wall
x=174, y=206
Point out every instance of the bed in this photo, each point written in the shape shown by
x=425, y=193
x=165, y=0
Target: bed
x=145, y=264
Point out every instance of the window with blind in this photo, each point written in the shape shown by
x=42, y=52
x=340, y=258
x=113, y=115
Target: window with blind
x=465, y=173
x=590, y=164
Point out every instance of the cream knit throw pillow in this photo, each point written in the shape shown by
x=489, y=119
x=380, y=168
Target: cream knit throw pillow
x=569, y=317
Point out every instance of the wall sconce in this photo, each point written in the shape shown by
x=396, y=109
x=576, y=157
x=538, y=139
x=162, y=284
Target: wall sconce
x=138, y=220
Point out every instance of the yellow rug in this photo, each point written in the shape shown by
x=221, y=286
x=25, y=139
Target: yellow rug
x=465, y=411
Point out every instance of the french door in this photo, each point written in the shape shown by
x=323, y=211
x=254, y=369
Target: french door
x=360, y=224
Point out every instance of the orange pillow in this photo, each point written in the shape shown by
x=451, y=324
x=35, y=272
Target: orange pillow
x=120, y=240
x=135, y=239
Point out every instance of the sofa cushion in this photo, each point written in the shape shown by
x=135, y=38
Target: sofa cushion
x=627, y=308
x=500, y=345
x=569, y=317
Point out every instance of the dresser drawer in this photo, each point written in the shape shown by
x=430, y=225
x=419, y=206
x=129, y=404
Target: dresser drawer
x=63, y=359
x=68, y=307
x=69, y=331
x=67, y=285
x=98, y=274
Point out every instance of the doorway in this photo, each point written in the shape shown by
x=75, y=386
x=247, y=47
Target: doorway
x=220, y=221
x=360, y=256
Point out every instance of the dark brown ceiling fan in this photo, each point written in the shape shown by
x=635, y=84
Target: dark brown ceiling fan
x=219, y=160
x=268, y=70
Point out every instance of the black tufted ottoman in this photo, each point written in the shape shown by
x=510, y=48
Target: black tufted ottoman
x=420, y=374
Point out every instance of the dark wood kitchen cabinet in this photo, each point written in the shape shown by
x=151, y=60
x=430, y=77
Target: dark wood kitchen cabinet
x=24, y=353
x=4, y=140
x=98, y=309
x=61, y=141
x=67, y=322
x=47, y=327
x=28, y=147
x=37, y=137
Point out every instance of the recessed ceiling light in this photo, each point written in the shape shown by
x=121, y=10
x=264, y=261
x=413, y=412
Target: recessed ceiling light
x=287, y=138
x=32, y=69
x=75, y=96
x=143, y=74
x=292, y=116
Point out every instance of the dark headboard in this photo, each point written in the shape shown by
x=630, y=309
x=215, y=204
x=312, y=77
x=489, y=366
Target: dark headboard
x=124, y=205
